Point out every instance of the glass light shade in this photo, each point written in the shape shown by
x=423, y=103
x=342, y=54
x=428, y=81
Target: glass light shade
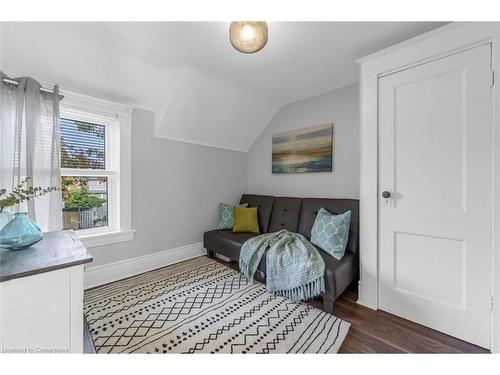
x=248, y=36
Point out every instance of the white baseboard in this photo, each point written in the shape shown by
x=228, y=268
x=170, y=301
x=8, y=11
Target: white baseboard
x=99, y=275
x=361, y=301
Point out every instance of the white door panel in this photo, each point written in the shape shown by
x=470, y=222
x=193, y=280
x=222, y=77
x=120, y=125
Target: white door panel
x=435, y=129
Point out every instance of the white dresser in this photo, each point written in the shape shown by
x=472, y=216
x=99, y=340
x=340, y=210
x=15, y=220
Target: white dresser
x=41, y=296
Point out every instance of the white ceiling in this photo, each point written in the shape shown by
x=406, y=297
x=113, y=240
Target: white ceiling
x=201, y=89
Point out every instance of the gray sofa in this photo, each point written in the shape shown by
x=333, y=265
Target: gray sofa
x=296, y=215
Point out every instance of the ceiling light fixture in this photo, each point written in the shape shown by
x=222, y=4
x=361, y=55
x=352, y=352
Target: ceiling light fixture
x=248, y=36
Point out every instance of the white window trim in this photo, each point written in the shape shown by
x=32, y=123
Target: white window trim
x=121, y=230
x=111, y=171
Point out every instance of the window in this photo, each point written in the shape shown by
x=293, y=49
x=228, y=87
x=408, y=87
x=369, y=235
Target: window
x=90, y=171
x=82, y=145
x=85, y=202
x=96, y=169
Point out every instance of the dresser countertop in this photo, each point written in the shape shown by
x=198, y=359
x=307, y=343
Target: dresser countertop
x=57, y=250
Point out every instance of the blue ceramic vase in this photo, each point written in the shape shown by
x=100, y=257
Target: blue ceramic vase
x=20, y=233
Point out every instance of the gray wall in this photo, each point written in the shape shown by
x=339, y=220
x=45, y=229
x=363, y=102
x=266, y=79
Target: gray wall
x=177, y=186
x=176, y=189
x=340, y=106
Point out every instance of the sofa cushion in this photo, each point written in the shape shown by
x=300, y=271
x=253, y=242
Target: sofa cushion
x=226, y=242
x=285, y=214
x=245, y=220
x=338, y=273
x=264, y=203
x=311, y=206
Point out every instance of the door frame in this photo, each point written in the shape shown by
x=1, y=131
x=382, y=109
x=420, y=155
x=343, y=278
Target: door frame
x=436, y=44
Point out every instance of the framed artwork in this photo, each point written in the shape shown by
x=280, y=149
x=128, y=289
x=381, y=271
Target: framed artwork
x=304, y=150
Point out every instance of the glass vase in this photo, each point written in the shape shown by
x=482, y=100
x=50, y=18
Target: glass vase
x=5, y=217
x=20, y=233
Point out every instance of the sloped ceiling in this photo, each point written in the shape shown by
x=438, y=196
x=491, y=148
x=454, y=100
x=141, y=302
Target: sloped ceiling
x=203, y=108
x=201, y=89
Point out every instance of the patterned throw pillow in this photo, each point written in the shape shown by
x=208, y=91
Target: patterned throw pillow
x=330, y=232
x=226, y=216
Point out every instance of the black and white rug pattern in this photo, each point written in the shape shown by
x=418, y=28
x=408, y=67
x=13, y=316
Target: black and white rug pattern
x=202, y=306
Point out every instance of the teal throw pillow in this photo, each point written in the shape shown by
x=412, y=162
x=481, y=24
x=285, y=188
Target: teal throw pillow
x=226, y=216
x=330, y=232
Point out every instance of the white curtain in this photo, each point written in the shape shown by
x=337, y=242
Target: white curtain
x=30, y=146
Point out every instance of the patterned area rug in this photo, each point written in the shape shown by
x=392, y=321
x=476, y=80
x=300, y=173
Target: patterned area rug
x=202, y=306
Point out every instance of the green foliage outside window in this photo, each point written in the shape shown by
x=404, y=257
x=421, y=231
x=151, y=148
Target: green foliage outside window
x=80, y=198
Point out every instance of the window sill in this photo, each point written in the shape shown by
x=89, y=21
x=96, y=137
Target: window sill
x=101, y=239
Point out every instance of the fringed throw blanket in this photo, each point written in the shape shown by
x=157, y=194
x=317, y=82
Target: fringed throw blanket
x=295, y=269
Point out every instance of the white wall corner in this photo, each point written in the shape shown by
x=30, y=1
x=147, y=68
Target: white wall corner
x=106, y=273
x=1, y=44
x=165, y=99
x=495, y=341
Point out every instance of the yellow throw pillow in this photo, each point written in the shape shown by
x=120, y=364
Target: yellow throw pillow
x=245, y=220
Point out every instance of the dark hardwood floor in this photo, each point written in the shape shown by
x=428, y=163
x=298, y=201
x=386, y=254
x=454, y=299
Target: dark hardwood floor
x=375, y=331
x=380, y=332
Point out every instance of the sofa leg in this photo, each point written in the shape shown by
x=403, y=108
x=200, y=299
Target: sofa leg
x=211, y=254
x=262, y=275
x=328, y=305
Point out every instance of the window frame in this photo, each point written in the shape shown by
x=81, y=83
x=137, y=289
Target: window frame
x=117, y=121
x=111, y=170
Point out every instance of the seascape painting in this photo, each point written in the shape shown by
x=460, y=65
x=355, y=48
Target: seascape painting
x=303, y=151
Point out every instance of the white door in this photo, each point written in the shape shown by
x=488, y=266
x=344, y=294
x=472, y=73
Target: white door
x=435, y=129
